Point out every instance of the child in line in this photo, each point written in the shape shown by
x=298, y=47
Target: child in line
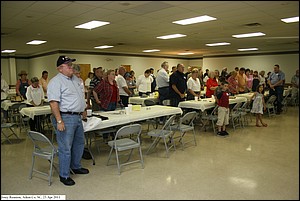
x=223, y=110
x=259, y=105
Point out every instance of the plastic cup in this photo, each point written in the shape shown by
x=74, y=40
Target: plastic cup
x=89, y=112
x=196, y=98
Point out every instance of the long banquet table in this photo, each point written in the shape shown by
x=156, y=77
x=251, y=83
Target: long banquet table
x=207, y=103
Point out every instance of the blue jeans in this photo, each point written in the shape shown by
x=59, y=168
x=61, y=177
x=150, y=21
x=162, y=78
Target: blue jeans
x=111, y=106
x=278, y=92
x=70, y=143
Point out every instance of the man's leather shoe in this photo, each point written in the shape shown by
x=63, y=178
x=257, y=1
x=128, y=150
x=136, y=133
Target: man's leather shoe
x=67, y=181
x=81, y=171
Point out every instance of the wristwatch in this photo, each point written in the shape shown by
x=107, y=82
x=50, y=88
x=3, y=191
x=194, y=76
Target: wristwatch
x=59, y=121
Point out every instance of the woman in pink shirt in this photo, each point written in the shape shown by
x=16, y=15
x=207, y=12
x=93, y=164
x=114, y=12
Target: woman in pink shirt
x=249, y=79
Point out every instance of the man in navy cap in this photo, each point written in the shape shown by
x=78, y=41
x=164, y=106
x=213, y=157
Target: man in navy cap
x=68, y=107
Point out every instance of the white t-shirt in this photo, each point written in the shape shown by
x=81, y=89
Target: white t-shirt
x=121, y=82
x=35, y=94
x=144, y=83
x=194, y=85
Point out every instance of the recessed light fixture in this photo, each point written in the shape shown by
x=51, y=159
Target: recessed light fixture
x=194, y=20
x=103, y=47
x=290, y=19
x=8, y=51
x=91, y=25
x=154, y=50
x=185, y=53
x=171, y=36
x=217, y=44
x=248, y=35
x=36, y=42
x=248, y=49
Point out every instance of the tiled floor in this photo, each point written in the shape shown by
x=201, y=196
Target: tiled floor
x=252, y=163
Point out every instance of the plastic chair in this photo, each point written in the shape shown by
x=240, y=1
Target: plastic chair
x=213, y=117
x=186, y=123
x=123, y=142
x=43, y=148
x=164, y=133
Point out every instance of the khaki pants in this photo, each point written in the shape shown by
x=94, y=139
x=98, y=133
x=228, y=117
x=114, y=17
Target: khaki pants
x=223, y=116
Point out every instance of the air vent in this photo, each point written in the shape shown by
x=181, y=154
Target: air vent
x=255, y=24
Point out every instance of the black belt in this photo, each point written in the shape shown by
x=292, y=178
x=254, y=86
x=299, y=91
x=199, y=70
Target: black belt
x=163, y=87
x=72, y=113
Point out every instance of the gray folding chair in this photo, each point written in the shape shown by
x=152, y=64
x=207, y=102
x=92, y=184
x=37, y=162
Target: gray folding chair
x=270, y=105
x=213, y=117
x=8, y=126
x=43, y=148
x=164, y=133
x=186, y=123
x=153, y=121
x=235, y=115
x=123, y=141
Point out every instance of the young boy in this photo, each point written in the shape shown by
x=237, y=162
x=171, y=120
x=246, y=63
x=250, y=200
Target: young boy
x=223, y=110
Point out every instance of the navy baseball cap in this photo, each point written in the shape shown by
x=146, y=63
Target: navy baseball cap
x=63, y=60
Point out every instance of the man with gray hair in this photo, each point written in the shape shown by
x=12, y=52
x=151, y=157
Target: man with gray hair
x=123, y=88
x=162, y=81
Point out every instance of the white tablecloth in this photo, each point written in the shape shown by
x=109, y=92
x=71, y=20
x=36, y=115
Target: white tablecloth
x=246, y=95
x=116, y=118
x=140, y=101
x=207, y=103
x=7, y=103
x=35, y=111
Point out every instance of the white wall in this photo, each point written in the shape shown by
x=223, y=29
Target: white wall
x=288, y=63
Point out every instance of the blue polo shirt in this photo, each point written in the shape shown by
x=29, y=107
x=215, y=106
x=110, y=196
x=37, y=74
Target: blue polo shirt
x=275, y=77
x=67, y=92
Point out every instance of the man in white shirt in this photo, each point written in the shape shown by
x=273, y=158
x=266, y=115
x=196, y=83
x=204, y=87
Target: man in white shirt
x=143, y=83
x=162, y=81
x=123, y=88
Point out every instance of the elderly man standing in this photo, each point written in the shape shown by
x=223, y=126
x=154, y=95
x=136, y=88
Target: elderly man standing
x=162, y=81
x=123, y=88
x=68, y=108
x=178, y=86
x=276, y=82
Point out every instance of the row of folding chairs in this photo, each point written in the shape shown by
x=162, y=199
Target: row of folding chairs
x=127, y=138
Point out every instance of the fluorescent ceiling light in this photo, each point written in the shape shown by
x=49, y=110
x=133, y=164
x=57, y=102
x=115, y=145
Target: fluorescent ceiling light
x=290, y=19
x=36, y=42
x=8, y=51
x=248, y=49
x=154, y=50
x=248, y=35
x=103, y=46
x=194, y=20
x=171, y=36
x=217, y=44
x=185, y=53
x=91, y=25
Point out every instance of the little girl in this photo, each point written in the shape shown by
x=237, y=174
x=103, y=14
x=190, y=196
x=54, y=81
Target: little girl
x=259, y=105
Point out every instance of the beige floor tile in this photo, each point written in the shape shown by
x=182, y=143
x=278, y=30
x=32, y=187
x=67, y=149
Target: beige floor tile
x=252, y=163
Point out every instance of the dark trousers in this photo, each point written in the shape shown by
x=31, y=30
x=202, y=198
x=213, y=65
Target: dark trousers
x=124, y=100
x=175, y=101
x=278, y=92
x=163, y=94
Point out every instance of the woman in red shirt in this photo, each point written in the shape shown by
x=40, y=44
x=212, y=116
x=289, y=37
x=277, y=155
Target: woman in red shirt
x=211, y=85
x=109, y=92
